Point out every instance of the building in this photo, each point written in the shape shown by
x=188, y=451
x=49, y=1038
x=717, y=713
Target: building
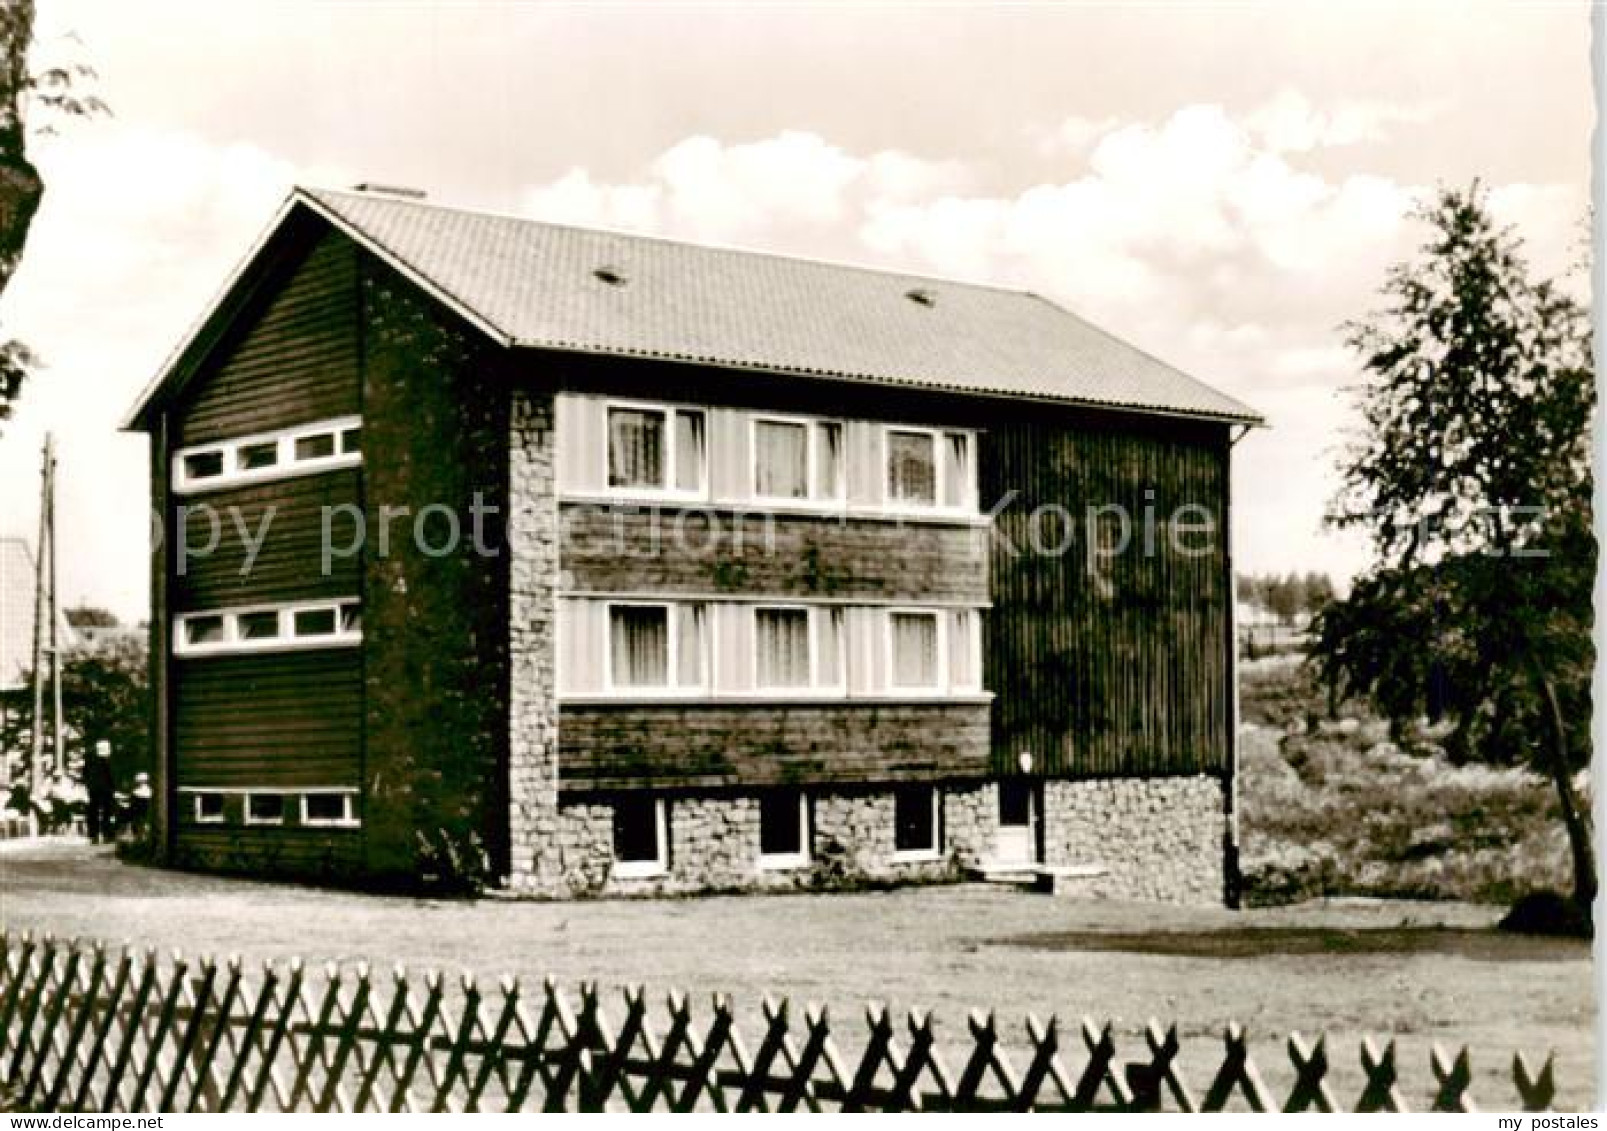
x=642, y=566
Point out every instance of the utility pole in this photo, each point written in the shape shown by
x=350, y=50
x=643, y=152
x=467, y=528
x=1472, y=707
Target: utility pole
x=46, y=623
x=58, y=755
x=41, y=611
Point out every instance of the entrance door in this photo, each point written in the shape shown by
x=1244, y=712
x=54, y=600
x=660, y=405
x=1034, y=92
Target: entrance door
x=1017, y=842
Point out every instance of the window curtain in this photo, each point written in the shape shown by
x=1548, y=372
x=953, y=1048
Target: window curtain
x=639, y=642
x=781, y=460
x=957, y=469
x=962, y=652
x=689, y=451
x=829, y=647
x=911, y=474
x=635, y=448
x=914, y=649
x=689, y=650
x=783, y=648
x=829, y=460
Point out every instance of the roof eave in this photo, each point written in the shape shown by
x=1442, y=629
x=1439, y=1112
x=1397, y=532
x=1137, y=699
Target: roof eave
x=1248, y=417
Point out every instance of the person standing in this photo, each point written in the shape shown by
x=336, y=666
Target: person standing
x=98, y=784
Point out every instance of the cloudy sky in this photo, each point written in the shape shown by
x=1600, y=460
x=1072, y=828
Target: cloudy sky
x=1222, y=184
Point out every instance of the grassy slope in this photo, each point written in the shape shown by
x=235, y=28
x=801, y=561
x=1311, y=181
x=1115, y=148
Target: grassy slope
x=1331, y=807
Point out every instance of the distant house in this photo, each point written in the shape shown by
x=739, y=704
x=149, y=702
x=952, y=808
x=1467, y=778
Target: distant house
x=18, y=589
x=784, y=565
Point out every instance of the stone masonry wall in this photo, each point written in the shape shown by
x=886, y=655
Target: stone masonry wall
x=534, y=826
x=1157, y=838
x=714, y=843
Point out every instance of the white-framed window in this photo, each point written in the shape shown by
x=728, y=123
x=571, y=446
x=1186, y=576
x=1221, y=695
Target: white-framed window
x=207, y=807
x=656, y=450
x=260, y=628
x=799, y=648
x=797, y=459
x=265, y=808
x=783, y=828
x=657, y=646
x=302, y=450
x=929, y=469
x=917, y=821
x=641, y=835
x=965, y=650
x=915, y=657
x=329, y=808
x=933, y=651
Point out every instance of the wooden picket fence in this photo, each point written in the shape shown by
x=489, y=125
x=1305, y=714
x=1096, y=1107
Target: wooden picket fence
x=82, y=1028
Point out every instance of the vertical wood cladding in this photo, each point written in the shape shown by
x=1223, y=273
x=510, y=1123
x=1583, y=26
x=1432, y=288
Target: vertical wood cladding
x=292, y=360
x=1108, y=663
x=435, y=629
x=269, y=719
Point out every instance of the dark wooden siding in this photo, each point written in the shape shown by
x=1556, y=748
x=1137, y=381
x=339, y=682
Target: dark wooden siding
x=319, y=854
x=293, y=360
x=1113, y=666
x=705, y=745
x=272, y=719
x=624, y=550
x=288, y=565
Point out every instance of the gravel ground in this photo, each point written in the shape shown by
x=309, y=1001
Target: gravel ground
x=1418, y=972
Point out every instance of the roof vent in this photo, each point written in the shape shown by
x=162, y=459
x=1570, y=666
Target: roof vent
x=921, y=297
x=402, y=191
x=610, y=276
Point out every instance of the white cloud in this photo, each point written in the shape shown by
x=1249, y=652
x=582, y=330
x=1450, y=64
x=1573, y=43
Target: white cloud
x=1290, y=123
x=704, y=189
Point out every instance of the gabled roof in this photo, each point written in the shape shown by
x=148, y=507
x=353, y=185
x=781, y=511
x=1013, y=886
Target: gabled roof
x=532, y=284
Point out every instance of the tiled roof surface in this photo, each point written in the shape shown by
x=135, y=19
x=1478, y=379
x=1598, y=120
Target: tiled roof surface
x=537, y=284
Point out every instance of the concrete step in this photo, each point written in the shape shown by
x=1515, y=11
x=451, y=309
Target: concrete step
x=1050, y=879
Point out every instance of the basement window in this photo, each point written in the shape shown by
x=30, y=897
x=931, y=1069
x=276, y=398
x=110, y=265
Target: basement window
x=208, y=808
x=783, y=829
x=351, y=441
x=641, y=840
x=917, y=827
x=328, y=809
x=265, y=808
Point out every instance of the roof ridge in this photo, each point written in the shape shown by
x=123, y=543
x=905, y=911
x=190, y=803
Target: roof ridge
x=706, y=245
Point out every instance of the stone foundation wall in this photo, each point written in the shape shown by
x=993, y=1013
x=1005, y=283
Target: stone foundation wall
x=1157, y=838
x=714, y=844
